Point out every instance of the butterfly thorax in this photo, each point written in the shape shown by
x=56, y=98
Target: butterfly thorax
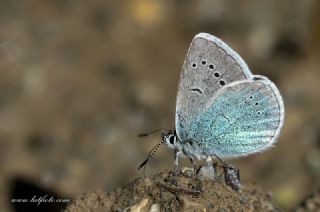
x=187, y=148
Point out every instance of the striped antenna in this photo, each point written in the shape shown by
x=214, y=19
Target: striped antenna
x=146, y=134
x=150, y=155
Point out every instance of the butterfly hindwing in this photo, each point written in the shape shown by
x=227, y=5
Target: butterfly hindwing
x=243, y=118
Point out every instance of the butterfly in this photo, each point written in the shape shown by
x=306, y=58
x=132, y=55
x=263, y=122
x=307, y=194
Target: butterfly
x=222, y=109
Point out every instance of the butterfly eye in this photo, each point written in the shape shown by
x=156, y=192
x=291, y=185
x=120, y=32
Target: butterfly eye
x=171, y=139
x=194, y=65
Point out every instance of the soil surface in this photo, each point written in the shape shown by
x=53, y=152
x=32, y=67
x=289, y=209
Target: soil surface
x=183, y=192
x=311, y=203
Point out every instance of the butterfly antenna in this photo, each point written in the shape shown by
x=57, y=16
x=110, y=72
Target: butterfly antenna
x=150, y=155
x=149, y=133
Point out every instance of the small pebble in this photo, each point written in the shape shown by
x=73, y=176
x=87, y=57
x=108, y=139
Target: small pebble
x=154, y=208
x=187, y=172
x=140, y=205
x=206, y=172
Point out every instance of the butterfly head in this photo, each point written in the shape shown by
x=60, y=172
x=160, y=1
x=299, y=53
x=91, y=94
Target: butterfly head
x=170, y=138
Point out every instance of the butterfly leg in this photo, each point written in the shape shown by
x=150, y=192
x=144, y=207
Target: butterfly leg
x=193, y=163
x=177, y=154
x=232, y=177
x=231, y=174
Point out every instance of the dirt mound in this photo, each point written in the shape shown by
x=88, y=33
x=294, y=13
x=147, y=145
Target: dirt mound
x=182, y=192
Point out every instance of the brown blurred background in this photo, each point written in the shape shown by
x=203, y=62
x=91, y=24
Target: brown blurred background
x=80, y=79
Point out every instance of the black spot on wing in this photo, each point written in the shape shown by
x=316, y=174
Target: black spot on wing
x=197, y=90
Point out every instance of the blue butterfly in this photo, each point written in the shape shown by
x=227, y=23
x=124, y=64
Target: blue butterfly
x=222, y=109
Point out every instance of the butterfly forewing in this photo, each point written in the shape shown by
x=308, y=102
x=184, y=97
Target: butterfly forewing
x=209, y=66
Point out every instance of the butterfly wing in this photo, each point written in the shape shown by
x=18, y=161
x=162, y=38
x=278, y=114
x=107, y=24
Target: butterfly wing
x=243, y=118
x=209, y=65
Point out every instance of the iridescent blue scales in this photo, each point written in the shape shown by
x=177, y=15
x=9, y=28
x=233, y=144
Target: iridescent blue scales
x=243, y=118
